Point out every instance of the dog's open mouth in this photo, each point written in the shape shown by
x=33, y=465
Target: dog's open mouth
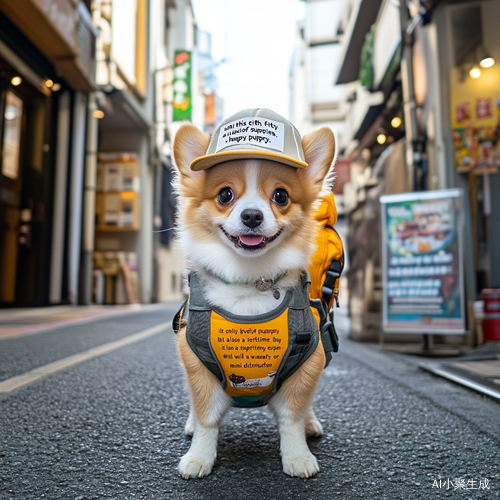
x=251, y=241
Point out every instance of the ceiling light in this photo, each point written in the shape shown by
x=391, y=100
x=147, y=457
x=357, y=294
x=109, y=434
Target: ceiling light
x=16, y=81
x=49, y=83
x=56, y=87
x=98, y=113
x=475, y=72
x=381, y=138
x=396, y=122
x=487, y=62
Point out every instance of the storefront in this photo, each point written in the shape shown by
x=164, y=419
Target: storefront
x=28, y=134
x=42, y=134
x=474, y=116
x=124, y=200
x=377, y=154
x=456, y=63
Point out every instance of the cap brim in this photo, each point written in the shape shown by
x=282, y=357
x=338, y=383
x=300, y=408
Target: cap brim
x=204, y=162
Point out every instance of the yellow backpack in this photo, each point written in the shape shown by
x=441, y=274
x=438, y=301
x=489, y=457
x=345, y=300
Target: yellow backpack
x=327, y=262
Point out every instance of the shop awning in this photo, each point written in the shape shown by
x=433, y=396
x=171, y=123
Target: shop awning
x=63, y=31
x=370, y=117
x=122, y=112
x=364, y=14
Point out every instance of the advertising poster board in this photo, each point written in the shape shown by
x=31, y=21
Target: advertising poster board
x=423, y=263
x=475, y=120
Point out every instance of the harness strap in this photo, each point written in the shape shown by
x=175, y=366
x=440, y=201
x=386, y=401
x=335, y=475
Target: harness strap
x=329, y=337
x=181, y=314
x=333, y=273
x=301, y=351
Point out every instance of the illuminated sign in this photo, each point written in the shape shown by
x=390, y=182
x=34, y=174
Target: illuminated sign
x=182, y=86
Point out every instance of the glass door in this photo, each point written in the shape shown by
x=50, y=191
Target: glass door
x=11, y=125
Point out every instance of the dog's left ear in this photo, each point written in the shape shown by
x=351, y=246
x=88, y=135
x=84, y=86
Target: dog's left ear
x=319, y=152
x=189, y=143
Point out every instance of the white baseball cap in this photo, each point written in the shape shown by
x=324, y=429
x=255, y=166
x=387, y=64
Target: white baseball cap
x=253, y=133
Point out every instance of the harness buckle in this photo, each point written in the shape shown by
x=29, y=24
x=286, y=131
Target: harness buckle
x=303, y=338
x=329, y=330
x=333, y=274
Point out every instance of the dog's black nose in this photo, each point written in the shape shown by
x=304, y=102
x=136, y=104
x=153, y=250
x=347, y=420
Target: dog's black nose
x=252, y=218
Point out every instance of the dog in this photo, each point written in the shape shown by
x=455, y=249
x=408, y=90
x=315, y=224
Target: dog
x=245, y=226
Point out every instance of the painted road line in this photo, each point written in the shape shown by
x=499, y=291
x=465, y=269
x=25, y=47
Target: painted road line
x=14, y=383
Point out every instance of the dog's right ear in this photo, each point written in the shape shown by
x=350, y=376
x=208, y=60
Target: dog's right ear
x=189, y=143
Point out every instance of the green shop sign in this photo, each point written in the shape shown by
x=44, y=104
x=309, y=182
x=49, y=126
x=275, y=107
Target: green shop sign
x=182, y=85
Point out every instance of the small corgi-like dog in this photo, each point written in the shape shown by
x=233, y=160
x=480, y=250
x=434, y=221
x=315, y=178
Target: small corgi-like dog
x=247, y=336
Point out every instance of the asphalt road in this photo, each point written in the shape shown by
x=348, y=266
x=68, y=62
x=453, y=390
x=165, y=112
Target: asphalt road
x=112, y=427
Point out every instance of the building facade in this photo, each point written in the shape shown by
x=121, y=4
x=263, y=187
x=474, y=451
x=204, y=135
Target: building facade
x=420, y=80
x=46, y=77
x=90, y=100
x=315, y=99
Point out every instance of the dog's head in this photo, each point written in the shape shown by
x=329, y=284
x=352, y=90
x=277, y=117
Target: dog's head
x=249, y=217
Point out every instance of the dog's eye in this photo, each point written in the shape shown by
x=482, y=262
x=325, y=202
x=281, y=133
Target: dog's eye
x=226, y=195
x=280, y=196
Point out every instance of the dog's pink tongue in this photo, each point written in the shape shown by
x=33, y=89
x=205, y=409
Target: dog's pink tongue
x=251, y=240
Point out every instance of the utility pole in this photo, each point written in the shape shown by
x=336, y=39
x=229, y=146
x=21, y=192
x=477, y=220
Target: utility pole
x=86, y=263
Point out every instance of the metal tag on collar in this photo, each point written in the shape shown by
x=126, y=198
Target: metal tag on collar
x=263, y=285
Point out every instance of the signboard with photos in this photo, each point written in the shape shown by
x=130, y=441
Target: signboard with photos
x=423, y=263
x=475, y=121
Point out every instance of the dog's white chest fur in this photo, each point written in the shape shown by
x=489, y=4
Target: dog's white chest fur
x=244, y=300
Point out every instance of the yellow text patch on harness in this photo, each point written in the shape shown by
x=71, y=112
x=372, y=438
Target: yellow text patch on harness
x=249, y=353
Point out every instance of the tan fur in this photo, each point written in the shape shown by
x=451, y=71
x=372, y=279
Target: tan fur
x=189, y=143
x=319, y=151
x=202, y=383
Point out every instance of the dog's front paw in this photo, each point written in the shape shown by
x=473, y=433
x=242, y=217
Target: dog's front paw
x=195, y=466
x=301, y=465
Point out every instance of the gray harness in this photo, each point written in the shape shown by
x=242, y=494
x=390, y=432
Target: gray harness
x=303, y=333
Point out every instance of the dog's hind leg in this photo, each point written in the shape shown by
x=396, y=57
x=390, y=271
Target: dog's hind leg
x=189, y=427
x=313, y=426
x=209, y=405
x=291, y=406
